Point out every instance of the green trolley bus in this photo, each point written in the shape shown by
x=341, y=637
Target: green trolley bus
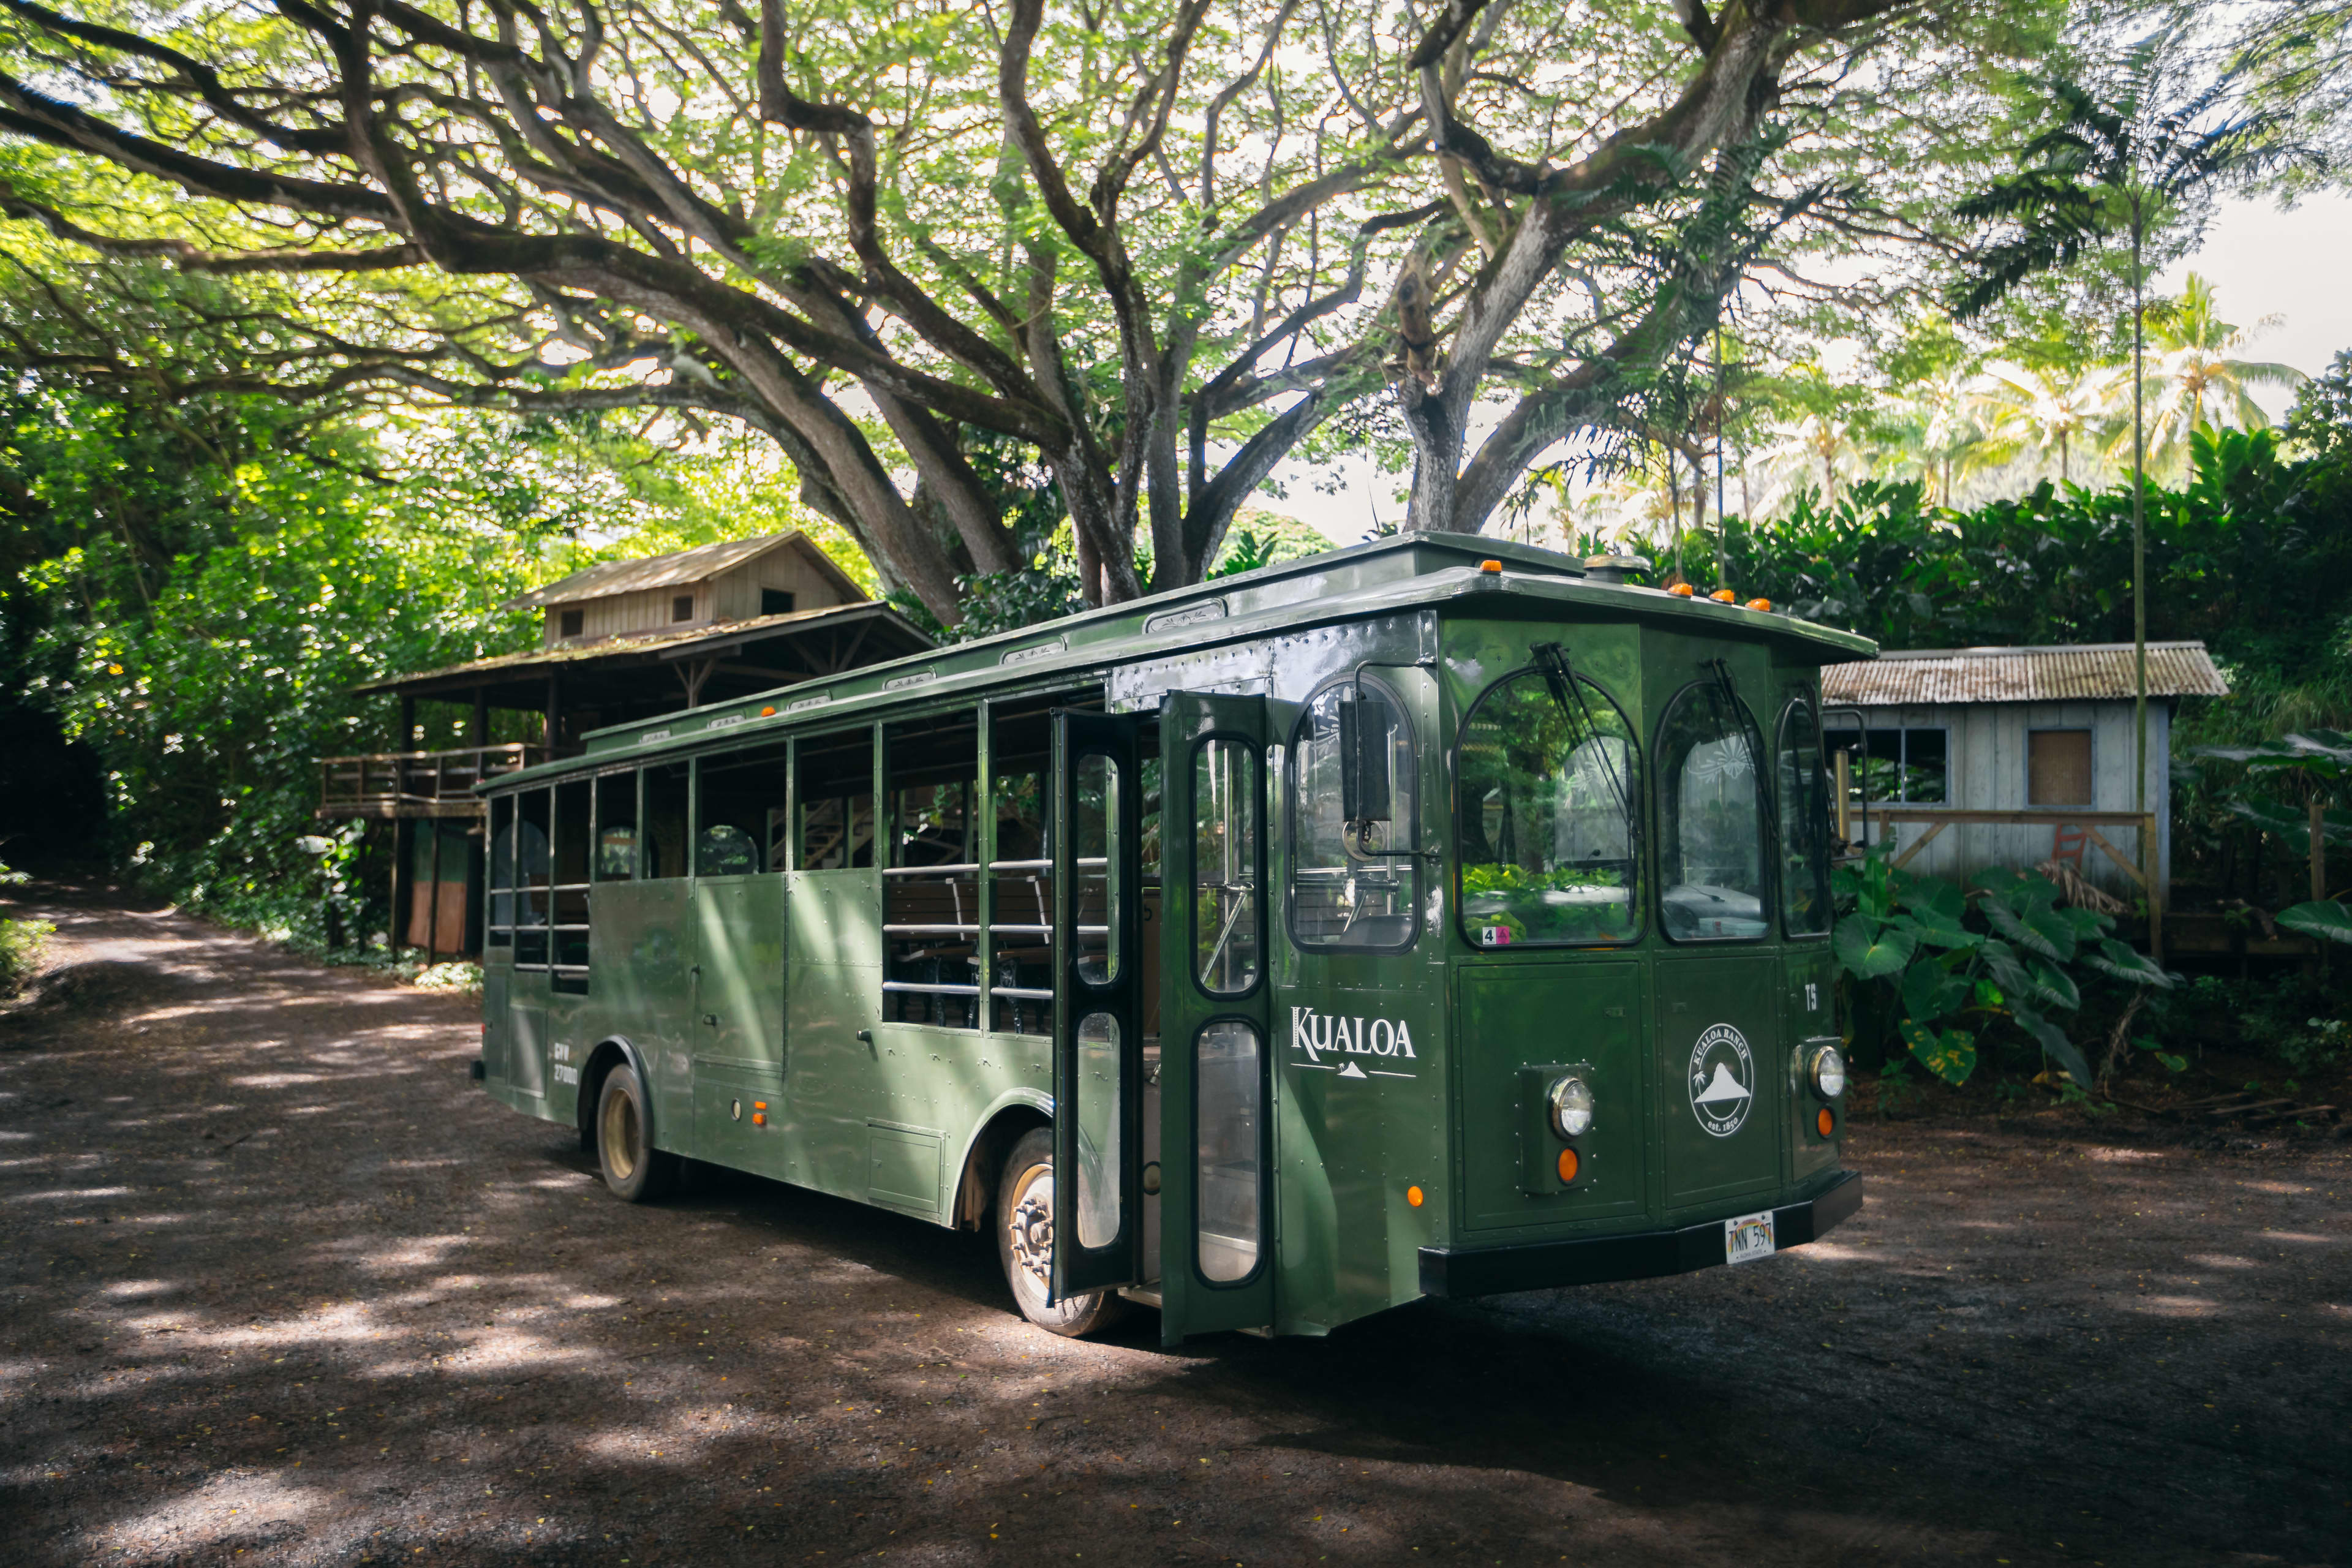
x=1433, y=917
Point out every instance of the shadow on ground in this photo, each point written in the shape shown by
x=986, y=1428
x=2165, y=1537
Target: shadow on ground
x=281, y=1286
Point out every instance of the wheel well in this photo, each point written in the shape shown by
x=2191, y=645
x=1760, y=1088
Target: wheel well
x=976, y=1190
x=600, y=1062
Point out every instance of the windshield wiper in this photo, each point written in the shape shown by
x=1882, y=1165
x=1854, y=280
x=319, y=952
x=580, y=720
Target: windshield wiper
x=1551, y=662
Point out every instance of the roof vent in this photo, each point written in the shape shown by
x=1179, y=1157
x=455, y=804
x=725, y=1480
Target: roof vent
x=1617, y=569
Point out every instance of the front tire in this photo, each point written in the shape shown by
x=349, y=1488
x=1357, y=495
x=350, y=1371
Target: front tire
x=636, y=1171
x=1025, y=1243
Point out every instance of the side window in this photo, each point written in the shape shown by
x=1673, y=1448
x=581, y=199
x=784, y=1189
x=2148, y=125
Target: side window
x=1548, y=816
x=664, y=827
x=1345, y=894
x=1021, y=871
x=573, y=835
x=930, y=888
x=499, y=873
x=1710, y=819
x=834, y=800
x=740, y=826
x=531, y=879
x=2058, y=767
x=616, y=826
x=1804, y=796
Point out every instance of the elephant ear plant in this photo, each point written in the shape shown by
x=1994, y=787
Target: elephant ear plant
x=1938, y=968
x=2291, y=790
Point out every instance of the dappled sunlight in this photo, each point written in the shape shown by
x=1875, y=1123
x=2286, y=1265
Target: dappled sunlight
x=2106, y=1157
x=2218, y=1260
x=2177, y=1306
x=219, y=1511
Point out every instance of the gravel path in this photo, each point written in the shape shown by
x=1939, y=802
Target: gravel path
x=277, y=1285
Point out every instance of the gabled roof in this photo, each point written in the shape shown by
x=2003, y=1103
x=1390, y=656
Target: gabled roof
x=2084, y=672
x=679, y=567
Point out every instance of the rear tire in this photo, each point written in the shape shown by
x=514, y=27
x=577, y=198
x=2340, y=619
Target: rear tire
x=1025, y=1243
x=636, y=1171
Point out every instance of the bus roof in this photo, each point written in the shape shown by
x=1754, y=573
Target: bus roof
x=1385, y=575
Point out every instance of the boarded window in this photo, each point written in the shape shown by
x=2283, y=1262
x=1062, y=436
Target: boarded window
x=2058, y=767
x=682, y=607
x=573, y=622
x=775, y=602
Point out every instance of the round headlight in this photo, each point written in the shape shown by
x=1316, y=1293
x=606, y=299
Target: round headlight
x=1571, y=1107
x=1829, y=1072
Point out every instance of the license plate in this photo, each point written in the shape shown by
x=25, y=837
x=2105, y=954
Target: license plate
x=1747, y=1238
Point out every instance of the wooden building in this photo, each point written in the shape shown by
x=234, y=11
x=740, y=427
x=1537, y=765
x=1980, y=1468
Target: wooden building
x=1942, y=738
x=619, y=641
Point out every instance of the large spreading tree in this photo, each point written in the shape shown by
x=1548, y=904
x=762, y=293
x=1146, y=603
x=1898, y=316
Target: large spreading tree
x=1155, y=246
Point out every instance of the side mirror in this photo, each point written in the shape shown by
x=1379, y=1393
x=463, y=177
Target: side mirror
x=1363, y=760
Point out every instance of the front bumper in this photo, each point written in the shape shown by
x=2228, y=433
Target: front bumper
x=1645, y=1255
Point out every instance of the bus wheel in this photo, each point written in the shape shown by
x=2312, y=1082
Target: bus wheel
x=634, y=1168
x=1024, y=1242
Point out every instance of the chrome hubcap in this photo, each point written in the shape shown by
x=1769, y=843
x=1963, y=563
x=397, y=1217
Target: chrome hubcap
x=1030, y=1226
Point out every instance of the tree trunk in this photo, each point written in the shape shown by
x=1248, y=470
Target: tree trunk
x=2139, y=541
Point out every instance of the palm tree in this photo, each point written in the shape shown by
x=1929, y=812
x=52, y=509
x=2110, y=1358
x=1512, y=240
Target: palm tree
x=2197, y=382
x=2049, y=408
x=2138, y=162
x=1936, y=432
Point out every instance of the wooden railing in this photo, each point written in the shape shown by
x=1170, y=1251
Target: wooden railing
x=416, y=783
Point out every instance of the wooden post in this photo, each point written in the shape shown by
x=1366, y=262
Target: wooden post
x=1843, y=768
x=400, y=882
x=480, y=732
x=2152, y=867
x=551, y=721
x=407, y=724
x=433, y=912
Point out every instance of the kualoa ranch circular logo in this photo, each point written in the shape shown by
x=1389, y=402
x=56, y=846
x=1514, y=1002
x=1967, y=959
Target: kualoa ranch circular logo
x=1722, y=1079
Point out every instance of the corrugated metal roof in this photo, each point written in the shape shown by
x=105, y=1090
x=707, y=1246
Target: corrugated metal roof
x=695, y=565
x=2084, y=672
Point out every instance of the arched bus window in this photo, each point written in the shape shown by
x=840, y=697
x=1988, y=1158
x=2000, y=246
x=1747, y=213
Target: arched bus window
x=1804, y=794
x=1710, y=819
x=1350, y=895
x=1549, y=814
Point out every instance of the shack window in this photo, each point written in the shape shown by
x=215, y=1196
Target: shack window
x=930, y=890
x=1898, y=765
x=1346, y=891
x=1021, y=871
x=2058, y=767
x=775, y=602
x=572, y=622
x=740, y=826
x=616, y=826
x=665, y=825
x=1547, y=828
x=1710, y=819
x=681, y=608
x=572, y=835
x=833, y=796
x=1804, y=825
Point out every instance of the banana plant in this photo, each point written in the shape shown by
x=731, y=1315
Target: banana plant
x=1945, y=964
x=2314, y=769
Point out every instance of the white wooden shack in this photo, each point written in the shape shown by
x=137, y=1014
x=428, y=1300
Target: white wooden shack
x=735, y=580
x=2029, y=729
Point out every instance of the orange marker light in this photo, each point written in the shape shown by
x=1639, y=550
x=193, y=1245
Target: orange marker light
x=1568, y=1165
x=771, y=712
x=1682, y=591
x=758, y=1119
x=1724, y=597
x=1413, y=1197
x=1759, y=604
x=1824, y=1122
x=1490, y=566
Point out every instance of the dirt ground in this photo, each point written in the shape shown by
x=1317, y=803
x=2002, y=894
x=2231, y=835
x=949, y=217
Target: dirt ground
x=270, y=1265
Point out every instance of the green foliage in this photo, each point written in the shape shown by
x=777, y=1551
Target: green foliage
x=23, y=944
x=1940, y=972
x=2326, y=919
